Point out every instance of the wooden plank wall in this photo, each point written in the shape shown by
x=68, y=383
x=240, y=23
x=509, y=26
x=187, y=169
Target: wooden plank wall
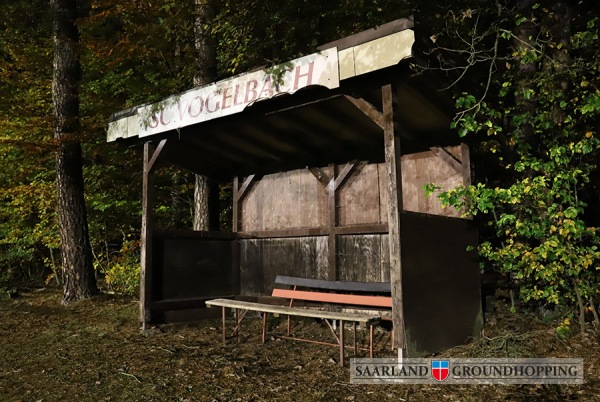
x=423, y=168
x=261, y=260
x=360, y=198
x=363, y=258
x=287, y=200
x=297, y=200
x=360, y=258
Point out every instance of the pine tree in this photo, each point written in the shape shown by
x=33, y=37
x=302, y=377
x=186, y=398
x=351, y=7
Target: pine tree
x=78, y=272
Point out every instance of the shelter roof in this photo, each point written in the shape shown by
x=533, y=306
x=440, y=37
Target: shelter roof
x=319, y=109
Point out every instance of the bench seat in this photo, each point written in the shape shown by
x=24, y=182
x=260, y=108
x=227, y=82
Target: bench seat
x=335, y=298
x=368, y=320
x=365, y=319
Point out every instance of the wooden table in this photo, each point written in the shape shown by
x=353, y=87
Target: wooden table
x=244, y=306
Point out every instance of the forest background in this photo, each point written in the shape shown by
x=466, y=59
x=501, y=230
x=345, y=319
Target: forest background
x=524, y=75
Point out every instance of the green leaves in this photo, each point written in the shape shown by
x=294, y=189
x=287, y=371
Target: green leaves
x=465, y=101
x=591, y=104
x=539, y=124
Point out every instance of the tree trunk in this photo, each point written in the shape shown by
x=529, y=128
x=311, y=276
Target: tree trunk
x=559, y=28
x=78, y=272
x=204, y=189
x=526, y=34
x=201, y=197
x=581, y=307
x=206, y=64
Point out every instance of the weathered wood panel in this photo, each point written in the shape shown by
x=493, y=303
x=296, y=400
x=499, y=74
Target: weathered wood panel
x=423, y=168
x=296, y=199
x=261, y=260
x=383, y=194
x=286, y=200
x=363, y=258
x=441, y=282
x=393, y=184
x=358, y=198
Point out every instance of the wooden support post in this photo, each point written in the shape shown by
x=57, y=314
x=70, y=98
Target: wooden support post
x=332, y=184
x=239, y=192
x=235, y=207
x=331, y=240
x=150, y=157
x=345, y=174
x=394, y=189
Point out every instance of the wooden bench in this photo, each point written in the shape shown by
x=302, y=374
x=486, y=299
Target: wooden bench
x=338, y=294
x=320, y=291
x=368, y=294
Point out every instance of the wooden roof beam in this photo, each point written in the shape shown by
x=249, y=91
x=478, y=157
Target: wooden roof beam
x=447, y=157
x=369, y=110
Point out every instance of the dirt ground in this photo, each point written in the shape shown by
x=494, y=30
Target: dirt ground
x=94, y=351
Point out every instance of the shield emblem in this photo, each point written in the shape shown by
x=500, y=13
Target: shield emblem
x=440, y=369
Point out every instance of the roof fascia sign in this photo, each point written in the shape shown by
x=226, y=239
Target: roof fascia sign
x=325, y=68
x=228, y=96
x=376, y=54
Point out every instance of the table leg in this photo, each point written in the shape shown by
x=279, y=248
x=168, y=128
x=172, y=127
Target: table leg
x=237, y=320
x=342, y=343
x=354, y=331
x=223, y=323
x=264, y=328
x=371, y=341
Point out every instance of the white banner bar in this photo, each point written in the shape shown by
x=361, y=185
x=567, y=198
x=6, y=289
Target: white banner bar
x=233, y=95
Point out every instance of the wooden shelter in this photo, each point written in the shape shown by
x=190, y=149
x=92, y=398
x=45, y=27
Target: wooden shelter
x=328, y=155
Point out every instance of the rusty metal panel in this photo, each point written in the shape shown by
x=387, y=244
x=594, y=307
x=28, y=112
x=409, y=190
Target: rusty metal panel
x=441, y=282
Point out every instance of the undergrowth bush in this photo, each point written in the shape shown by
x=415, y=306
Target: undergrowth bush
x=122, y=274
